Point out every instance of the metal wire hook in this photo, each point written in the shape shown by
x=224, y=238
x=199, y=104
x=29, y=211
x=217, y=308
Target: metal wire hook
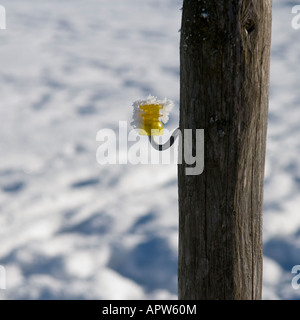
x=166, y=145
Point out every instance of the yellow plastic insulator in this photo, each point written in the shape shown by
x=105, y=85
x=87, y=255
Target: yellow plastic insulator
x=151, y=125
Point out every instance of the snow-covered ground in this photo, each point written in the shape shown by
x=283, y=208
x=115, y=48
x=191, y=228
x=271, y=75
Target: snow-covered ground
x=71, y=228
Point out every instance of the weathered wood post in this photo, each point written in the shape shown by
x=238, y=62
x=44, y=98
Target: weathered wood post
x=225, y=62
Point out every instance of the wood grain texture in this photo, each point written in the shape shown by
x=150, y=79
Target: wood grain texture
x=224, y=89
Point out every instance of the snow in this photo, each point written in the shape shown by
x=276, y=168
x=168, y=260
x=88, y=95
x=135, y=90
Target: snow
x=71, y=228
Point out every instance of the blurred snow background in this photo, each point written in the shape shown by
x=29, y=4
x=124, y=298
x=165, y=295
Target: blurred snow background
x=73, y=229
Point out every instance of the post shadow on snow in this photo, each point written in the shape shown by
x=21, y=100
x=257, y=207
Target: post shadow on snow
x=152, y=264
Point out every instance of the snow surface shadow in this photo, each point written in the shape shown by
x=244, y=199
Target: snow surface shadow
x=85, y=183
x=97, y=224
x=151, y=264
x=37, y=264
x=42, y=102
x=38, y=270
x=14, y=186
x=86, y=110
x=284, y=251
x=12, y=181
x=143, y=87
x=144, y=220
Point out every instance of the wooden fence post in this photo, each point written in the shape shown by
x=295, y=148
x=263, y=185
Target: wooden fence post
x=224, y=89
